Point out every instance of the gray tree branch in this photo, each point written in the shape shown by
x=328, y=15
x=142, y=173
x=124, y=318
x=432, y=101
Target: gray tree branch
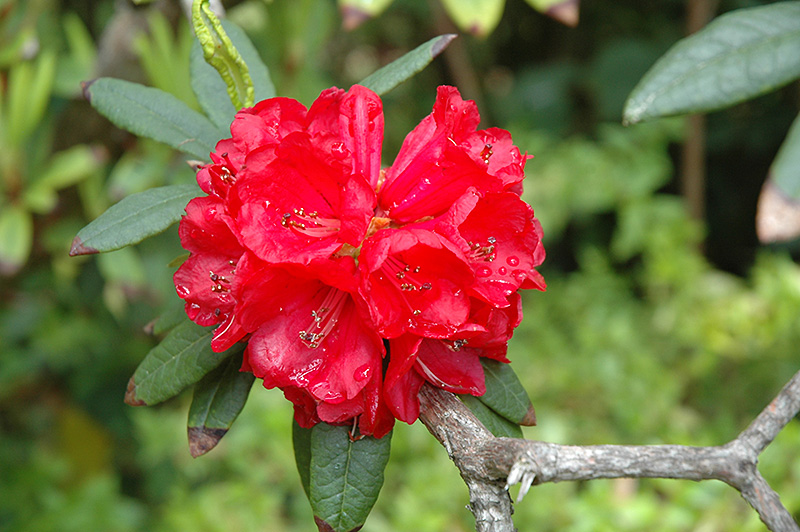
x=487, y=463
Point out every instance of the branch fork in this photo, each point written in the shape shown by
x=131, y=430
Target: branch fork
x=490, y=465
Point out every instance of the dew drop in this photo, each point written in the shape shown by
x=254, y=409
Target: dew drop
x=338, y=150
x=183, y=291
x=210, y=214
x=484, y=271
x=502, y=270
x=512, y=260
x=362, y=373
x=520, y=275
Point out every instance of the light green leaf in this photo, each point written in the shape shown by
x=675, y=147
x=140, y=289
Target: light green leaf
x=778, y=215
x=390, y=76
x=29, y=89
x=134, y=218
x=218, y=399
x=181, y=359
x=154, y=114
x=738, y=56
x=65, y=168
x=497, y=424
x=220, y=53
x=355, y=12
x=209, y=87
x=478, y=17
x=16, y=238
x=345, y=476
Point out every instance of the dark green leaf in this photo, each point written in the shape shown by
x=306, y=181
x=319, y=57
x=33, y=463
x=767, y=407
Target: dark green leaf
x=497, y=424
x=154, y=114
x=390, y=76
x=505, y=394
x=171, y=317
x=181, y=359
x=778, y=216
x=134, y=218
x=218, y=399
x=737, y=56
x=346, y=476
x=209, y=87
x=301, y=440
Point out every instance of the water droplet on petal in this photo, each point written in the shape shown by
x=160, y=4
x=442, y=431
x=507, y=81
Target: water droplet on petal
x=338, y=150
x=362, y=373
x=183, y=291
x=520, y=275
x=502, y=270
x=483, y=271
x=210, y=213
x=512, y=260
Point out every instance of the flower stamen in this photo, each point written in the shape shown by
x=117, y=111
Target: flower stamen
x=324, y=318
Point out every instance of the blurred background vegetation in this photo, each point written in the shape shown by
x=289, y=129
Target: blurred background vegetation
x=657, y=326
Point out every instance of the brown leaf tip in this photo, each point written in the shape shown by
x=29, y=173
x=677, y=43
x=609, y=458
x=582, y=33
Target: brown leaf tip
x=325, y=527
x=78, y=248
x=777, y=216
x=203, y=439
x=352, y=17
x=85, y=88
x=442, y=43
x=130, y=395
x=530, y=418
x=567, y=12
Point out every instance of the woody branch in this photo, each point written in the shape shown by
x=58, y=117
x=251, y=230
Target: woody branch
x=486, y=463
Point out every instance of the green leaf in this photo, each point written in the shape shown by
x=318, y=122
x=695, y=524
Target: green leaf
x=356, y=12
x=738, y=56
x=497, y=424
x=154, y=114
x=301, y=441
x=16, y=238
x=29, y=89
x=345, y=476
x=778, y=215
x=390, y=76
x=133, y=219
x=505, y=394
x=218, y=399
x=209, y=87
x=478, y=17
x=182, y=358
x=172, y=316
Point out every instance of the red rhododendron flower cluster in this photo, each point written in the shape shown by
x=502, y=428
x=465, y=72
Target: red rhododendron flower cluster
x=353, y=284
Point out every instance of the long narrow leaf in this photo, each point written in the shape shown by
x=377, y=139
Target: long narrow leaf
x=181, y=359
x=218, y=399
x=345, y=476
x=154, y=114
x=739, y=55
x=390, y=76
x=133, y=219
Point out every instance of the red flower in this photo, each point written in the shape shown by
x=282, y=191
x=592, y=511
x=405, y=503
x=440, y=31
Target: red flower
x=307, y=250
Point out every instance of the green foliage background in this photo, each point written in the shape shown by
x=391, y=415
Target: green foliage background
x=655, y=328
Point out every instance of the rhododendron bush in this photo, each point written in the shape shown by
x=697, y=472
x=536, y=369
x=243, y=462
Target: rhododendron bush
x=345, y=282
